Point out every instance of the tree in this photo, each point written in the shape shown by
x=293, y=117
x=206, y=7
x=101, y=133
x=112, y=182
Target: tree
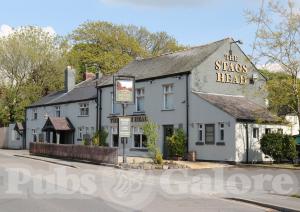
x=151, y=132
x=31, y=64
x=112, y=46
x=278, y=42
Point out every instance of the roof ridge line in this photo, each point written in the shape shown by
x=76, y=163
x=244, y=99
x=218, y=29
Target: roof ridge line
x=185, y=49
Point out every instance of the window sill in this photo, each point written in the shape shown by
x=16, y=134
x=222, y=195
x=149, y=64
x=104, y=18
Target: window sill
x=209, y=143
x=114, y=114
x=139, y=112
x=79, y=139
x=220, y=143
x=199, y=143
x=83, y=115
x=168, y=109
x=139, y=149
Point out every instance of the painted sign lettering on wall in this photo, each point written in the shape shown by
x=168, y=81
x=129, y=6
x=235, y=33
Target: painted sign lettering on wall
x=230, y=71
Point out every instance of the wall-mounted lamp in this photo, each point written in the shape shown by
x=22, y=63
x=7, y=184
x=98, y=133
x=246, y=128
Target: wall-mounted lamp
x=237, y=41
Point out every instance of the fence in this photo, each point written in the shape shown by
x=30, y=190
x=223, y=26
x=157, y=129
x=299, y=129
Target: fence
x=107, y=155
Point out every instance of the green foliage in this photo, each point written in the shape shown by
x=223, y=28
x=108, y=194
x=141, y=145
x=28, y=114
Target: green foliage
x=100, y=137
x=113, y=46
x=176, y=143
x=278, y=146
x=31, y=65
x=86, y=142
x=151, y=132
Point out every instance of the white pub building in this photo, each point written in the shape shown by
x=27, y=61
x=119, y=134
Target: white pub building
x=213, y=92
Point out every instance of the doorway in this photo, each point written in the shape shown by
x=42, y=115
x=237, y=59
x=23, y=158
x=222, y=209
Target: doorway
x=168, y=132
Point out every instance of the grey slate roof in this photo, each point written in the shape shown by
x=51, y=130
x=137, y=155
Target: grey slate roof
x=83, y=91
x=168, y=64
x=240, y=108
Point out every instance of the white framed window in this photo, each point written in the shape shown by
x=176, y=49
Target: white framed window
x=114, y=137
x=34, y=135
x=84, y=109
x=34, y=114
x=57, y=111
x=80, y=133
x=222, y=132
x=140, y=99
x=255, y=132
x=168, y=97
x=200, y=132
x=113, y=105
x=139, y=139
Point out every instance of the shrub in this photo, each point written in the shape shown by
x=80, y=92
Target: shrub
x=100, y=137
x=278, y=146
x=86, y=142
x=151, y=132
x=289, y=148
x=176, y=143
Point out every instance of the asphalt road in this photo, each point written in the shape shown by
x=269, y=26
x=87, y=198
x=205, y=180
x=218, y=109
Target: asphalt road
x=30, y=185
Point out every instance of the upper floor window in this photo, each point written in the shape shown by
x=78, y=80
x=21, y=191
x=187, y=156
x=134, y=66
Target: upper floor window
x=34, y=114
x=140, y=96
x=168, y=97
x=57, y=111
x=84, y=109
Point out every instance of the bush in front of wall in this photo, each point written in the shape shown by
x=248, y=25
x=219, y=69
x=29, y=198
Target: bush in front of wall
x=100, y=137
x=279, y=147
x=176, y=143
x=151, y=132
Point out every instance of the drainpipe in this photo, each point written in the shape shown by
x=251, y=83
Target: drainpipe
x=247, y=143
x=187, y=111
x=25, y=129
x=97, y=110
x=100, y=108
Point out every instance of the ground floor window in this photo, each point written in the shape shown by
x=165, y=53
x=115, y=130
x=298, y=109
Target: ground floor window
x=80, y=133
x=255, y=132
x=209, y=133
x=114, y=137
x=267, y=131
x=222, y=132
x=200, y=132
x=280, y=131
x=139, y=138
x=34, y=135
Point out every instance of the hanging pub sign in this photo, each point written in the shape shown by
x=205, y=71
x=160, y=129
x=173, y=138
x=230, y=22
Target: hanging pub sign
x=124, y=87
x=124, y=127
x=229, y=70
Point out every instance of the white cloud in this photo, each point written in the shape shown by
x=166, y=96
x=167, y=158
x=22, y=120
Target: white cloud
x=273, y=67
x=159, y=3
x=6, y=30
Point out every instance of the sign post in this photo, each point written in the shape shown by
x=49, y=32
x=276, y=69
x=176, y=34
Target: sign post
x=124, y=93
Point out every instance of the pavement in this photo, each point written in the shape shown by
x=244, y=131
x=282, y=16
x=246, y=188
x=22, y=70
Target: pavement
x=108, y=189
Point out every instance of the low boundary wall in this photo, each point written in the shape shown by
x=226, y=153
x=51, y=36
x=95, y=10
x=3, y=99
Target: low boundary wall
x=94, y=154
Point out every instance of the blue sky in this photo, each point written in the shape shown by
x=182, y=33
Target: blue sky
x=191, y=22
